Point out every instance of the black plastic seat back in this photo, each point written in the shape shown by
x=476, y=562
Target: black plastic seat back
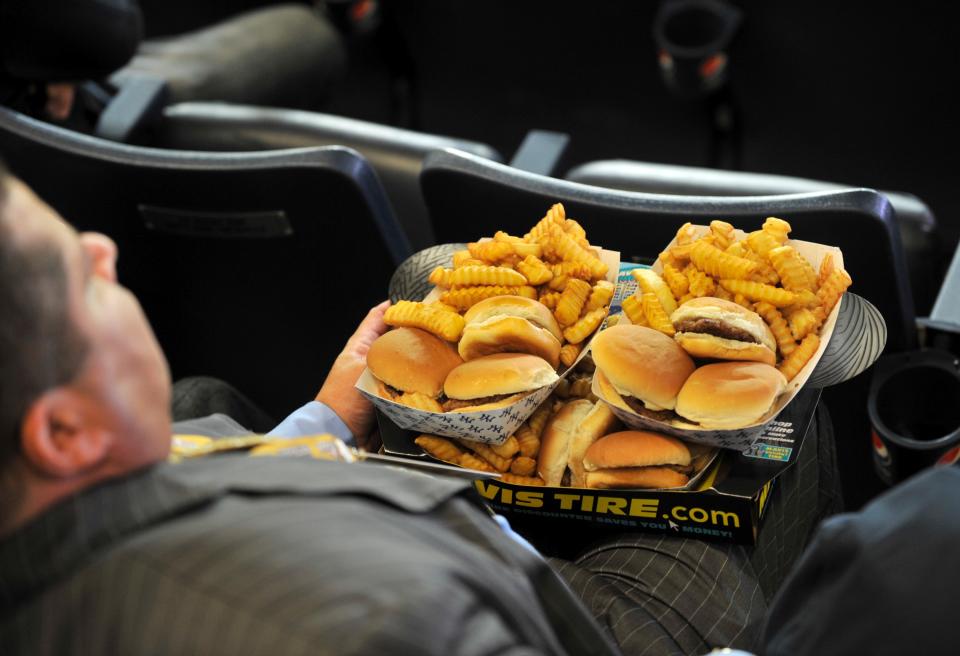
x=469, y=197
x=395, y=154
x=915, y=221
x=251, y=267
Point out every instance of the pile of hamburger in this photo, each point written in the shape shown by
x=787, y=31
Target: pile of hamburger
x=710, y=344
x=507, y=350
x=655, y=375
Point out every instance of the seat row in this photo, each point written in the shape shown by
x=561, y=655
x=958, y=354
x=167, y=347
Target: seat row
x=254, y=264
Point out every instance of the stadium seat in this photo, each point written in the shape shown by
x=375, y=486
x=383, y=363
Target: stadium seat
x=917, y=224
x=396, y=154
x=252, y=267
x=469, y=197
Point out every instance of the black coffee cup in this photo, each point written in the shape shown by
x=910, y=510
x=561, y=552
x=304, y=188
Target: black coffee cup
x=914, y=408
x=692, y=37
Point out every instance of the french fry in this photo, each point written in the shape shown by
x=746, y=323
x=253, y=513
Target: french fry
x=491, y=251
x=650, y=282
x=793, y=363
x=778, y=326
x=569, y=354
x=762, y=242
x=460, y=257
x=633, y=308
x=521, y=480
x=489, y=455
x=600, y=295
x=710, y=259
x=655, y=314
x=833, y=288
x=508, y=449
x=742, y=301
x=538, y=419
x=583, y=328
x=558, y=283
x=556, y=215
x=724, y=294
x=700, y=283
x=572, y=300
x=534, y=270
x=470, y=461
x=419, y=401
x=686, y=234
x=756, y=291
x=778, y=228
x=528, y=440
x=443, y=324
x=440, y=448
x=826, y=268
x=802, y=322
x=676, y=281
x=470, y=276
x=520, y=247
x=722, y=234
x=464, y=298
x=580, y=387
x=523, y=466
x=569, y=250
x=550, y=299
x=795, y=272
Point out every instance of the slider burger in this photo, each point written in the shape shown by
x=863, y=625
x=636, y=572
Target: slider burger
x=511, y=324
x=710, y=327
x=637, y=459
x=495, y=381
x=729, y=395
x=640, y=368
x=567, y=436
x=410, y=360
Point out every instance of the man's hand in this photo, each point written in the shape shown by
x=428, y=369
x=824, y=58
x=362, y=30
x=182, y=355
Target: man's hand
x=338, y=389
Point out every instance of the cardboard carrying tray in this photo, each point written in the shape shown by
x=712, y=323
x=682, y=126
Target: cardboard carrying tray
x=487, y=426
x=739, y=439
x=727, y=503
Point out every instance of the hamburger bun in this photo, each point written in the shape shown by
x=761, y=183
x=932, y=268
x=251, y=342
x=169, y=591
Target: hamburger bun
x=635, y=448
x=510, y=324
x=557, y=438
x=497, y=375
x=412, y=360
x=729, y=395
x=709, y=327
x=598, y=422
x=636, y=477
x=643, y=363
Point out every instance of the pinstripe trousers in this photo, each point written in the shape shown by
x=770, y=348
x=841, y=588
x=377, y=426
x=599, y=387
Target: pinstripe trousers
x=658, y=595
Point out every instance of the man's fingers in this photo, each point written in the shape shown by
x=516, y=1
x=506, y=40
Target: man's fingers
x=370, y=328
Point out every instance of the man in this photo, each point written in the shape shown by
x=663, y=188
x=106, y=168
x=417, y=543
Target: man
x=106, y=548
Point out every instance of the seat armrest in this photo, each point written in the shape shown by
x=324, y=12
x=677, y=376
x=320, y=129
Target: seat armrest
x=540, y=152
x=139, y=100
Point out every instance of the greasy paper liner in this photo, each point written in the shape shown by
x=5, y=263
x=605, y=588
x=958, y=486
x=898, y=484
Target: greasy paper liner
x=739, y=439
x=492, y=426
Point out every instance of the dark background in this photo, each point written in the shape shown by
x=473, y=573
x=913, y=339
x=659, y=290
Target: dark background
x=854, y=92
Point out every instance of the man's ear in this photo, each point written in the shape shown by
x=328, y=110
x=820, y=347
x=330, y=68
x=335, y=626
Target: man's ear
x=58, y=436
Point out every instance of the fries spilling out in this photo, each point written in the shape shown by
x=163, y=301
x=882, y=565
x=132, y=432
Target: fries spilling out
x=760, y=271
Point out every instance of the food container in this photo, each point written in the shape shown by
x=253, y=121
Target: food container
x=738, y=439
x=725, y=503
x=491, y=426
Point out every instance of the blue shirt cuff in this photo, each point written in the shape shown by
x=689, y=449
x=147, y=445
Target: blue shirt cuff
x=522, y=541
x=313, y=418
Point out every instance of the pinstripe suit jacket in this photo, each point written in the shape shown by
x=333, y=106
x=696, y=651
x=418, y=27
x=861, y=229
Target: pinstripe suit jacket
x=234, y=555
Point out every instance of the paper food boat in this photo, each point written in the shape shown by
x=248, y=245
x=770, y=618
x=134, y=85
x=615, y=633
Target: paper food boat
x=739, y=439
x=491, y=426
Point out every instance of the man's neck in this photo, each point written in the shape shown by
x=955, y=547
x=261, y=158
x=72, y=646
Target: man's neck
x=35, y=494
